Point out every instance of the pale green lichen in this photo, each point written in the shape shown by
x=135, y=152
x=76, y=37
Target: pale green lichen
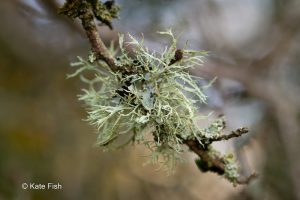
x=150, y=100
x=214, y=130
x=231, y=168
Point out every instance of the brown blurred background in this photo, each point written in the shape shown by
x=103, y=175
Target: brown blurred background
x=254, y=51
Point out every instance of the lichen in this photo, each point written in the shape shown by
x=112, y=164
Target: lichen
x=231, y=168
x=151, y=104
x=151, y=99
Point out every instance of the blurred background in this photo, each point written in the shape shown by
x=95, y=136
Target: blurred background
x=254, y=50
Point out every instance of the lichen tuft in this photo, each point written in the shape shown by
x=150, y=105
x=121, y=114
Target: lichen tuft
x=151, y=100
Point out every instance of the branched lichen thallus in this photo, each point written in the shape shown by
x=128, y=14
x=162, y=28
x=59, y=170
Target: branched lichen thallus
x=146, y=97
x=151, y=99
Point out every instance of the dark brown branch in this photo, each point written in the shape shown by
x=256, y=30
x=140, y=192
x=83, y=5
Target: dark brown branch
x=83, y=10
x=215, y=164
x=98, y=47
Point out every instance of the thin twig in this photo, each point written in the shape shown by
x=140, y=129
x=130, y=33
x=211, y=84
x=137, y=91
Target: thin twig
x=237, y=133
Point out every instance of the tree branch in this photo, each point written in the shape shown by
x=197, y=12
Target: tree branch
x=216, y=163
x=98, y=47
x=84, y=11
